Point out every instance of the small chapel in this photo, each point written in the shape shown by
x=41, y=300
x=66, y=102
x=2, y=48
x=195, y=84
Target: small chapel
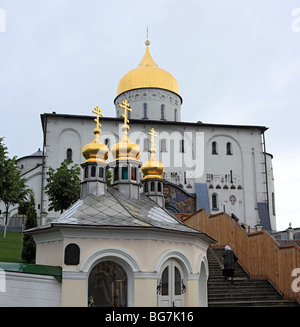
x=117, y=245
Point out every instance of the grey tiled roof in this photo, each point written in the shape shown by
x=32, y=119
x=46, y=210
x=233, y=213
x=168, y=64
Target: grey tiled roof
x=115, y=209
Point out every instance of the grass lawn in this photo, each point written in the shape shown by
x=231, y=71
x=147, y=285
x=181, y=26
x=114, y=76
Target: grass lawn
x=11, y=247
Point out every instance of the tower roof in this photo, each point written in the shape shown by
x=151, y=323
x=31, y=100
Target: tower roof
x=147, y=75
x=96, y=151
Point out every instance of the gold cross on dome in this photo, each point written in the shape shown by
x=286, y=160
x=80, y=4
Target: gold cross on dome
x=97, y=111
x=125, y=105
x=153, y=135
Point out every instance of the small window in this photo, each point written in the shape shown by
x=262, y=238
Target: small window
x=214, y=149
x=107, y=142
x=86, y=172
x=145, y=110
x=181, y=146
x=163, y=145
x=229, y=148
x=146, y=187
x=214, y=199
x=159, y=187
x=93, y=171
x=70, y=155
x=72, y=254
x=175, y=115
x=152, y=187
x=116, y=173
x=101, y=172
x=125, y=172
x=165, y=282
x=162, y=111
x=146, y=144
x=133, y=173
x=273, y=204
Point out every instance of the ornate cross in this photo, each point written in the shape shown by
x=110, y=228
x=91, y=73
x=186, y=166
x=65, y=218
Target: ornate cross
x=125, y=105
x=97, y=111
x=153, y=134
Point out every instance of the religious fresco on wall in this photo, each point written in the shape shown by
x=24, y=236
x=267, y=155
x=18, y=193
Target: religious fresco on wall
x=177, y=200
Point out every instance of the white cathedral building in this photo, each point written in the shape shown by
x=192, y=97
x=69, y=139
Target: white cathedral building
x=217, y=167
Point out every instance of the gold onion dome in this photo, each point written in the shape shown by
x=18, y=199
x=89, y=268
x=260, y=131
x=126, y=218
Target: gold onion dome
x=125, y=149
x=148, y=75
x=153, y=168
x=96, y=151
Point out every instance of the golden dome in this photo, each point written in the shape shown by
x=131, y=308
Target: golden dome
x=153, y=168
x=125, y=150
x=146, y=75
x=96, y=151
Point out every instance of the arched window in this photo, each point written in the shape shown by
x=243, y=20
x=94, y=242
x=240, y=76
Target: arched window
x=107, y=142
x=72, y=254
x=101, y=172
x=159, y=187
x=70, y=155
x=116, y=173
x=181, y=146
x=145, y=110
x=124, y=172
x=214, y=148
x=214, y=201
x=162, y=111
x=152, y=187
x=163, y=145
x=229, y=148
x=146, y=144
x=146, y=187
x=133, y=173
x=86, y=172
x=93, y=171
x=108, y=285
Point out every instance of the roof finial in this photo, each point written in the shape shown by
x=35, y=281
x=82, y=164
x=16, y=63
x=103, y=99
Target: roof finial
x=147, y=41
x=97, y=111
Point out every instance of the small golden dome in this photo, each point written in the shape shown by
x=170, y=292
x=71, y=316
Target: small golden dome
x=96, y=151
x=153, y=168
x=147, y=75
x=125, y=150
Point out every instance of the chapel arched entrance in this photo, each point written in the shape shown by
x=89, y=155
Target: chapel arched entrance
x=108, y=285
x=171, y=285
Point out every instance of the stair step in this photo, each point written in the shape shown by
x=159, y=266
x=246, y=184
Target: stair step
x=243, y=292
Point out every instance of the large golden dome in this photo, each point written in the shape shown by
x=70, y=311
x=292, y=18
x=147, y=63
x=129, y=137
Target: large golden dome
x=147, y=75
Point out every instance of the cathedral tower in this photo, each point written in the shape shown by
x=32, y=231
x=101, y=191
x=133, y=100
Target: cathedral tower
x=125, y=165
x=96, y=154
x=153, y=171
x=153, y=92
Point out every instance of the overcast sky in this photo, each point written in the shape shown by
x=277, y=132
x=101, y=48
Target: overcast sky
x=236, y=62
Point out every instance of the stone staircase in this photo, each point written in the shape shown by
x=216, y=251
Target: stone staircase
x=244, y=292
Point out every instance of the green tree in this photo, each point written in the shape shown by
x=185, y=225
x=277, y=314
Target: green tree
x=29, y=247
x=13, y=188
x=63, y=186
